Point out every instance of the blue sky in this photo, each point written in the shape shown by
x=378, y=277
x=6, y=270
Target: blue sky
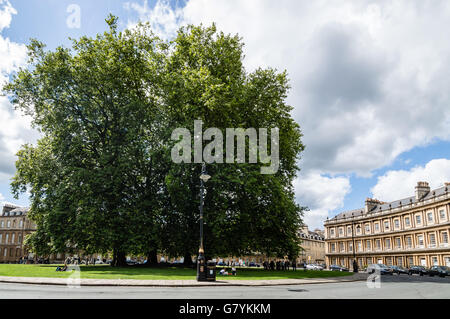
x=369, y=83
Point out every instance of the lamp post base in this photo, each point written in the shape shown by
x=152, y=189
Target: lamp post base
x=201, y=267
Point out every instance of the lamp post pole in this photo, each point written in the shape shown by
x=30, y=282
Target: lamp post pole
x=201, y=265
x=355, y=263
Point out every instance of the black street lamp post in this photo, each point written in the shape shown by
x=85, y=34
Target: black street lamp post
x=201, y=264
x=355, y=263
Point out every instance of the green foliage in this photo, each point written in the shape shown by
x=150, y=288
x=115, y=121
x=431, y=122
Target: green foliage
x=101, y=178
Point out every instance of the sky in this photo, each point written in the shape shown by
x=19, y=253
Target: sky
x=369, y=82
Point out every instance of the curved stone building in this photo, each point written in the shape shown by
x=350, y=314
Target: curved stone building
x=405, y=232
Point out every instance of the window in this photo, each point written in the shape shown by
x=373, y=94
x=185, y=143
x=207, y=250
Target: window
x=341, y=231
x=444, y=237
x=377, y=227
x=21, y=223
x=432, y=240
x=418, y=220
x=409, y=242
x=8, y=224
x=420, y=240
x=333, y=247
x=397, y=223
x=332, y=232
x=349, y=230
x=368, y=247
x=386, y=224
x=358, y=229
x=13, y=238
x=7, y=239
x=378, y=243
x=359, y=246
x=341, y=247
x=5, y=252
x=410, y=261
x=398, y=242
x=20, y=239
x=11, y=250
x=434, y=261
x=350, y=246
x=430, y=217
x=387, y=243
x=442, y=214
x=399, y=261
x=2, y=224
x=407, y=221
x=367, y=228
x=1, y=238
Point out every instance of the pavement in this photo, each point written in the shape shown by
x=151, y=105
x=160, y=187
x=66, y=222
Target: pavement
x=178, y=283
x=391, y=287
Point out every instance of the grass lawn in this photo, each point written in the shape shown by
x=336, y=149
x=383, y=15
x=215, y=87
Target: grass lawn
x=171, y=273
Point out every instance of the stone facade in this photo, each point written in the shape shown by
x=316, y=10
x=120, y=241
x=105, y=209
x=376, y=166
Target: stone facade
x=14, y=226
x=313, y=244
x=406, y=232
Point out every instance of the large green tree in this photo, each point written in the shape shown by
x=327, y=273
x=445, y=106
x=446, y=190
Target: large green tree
x=101, y=178
x=245, y=211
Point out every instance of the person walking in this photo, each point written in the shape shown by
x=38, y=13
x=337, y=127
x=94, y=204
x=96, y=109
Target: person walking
x=294, y=265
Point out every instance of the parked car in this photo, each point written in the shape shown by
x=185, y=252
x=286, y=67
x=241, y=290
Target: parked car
x=440, y=271
x=383, y=269
x=253, y=264
x=419, y=270
x=399, y=270
x=314, y=267
x=338, y=268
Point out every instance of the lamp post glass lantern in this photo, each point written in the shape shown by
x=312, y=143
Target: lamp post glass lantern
x=201, y=264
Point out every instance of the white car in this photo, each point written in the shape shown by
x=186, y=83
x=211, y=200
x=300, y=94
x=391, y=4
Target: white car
x=314, y=267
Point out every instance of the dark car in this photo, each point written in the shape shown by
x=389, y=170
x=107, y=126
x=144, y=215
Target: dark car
x=440, y=271
x=338, y=268
x=383, y=269
x=419, y=270
x=399, y=270
x=221, y=263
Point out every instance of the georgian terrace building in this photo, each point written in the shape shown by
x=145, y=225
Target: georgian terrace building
x=410, y=231
x=313, y=246
x=14, y=226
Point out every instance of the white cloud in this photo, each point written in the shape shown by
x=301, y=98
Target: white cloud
x=323, y=194
x=164, y=20
x=6, y=12
x=394, y=185
x=15, y=129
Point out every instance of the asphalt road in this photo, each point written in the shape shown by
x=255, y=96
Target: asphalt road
x=390, y=287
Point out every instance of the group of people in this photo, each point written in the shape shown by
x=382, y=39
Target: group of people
x=280, y=265
x=223, y=272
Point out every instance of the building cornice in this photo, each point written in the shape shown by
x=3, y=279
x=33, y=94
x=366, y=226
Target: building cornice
x=434, y=201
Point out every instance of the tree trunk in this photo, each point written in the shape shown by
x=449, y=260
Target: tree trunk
x=119, y=259
x=187, y=260
x=152, y=258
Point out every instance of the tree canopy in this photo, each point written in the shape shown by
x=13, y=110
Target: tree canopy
x=102, y=179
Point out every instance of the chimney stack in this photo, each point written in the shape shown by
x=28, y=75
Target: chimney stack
x=422, y=189
x=371, y=203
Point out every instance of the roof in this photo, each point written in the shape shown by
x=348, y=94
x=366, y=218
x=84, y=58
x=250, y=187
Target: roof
x=17, y=211
x=392, y=205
